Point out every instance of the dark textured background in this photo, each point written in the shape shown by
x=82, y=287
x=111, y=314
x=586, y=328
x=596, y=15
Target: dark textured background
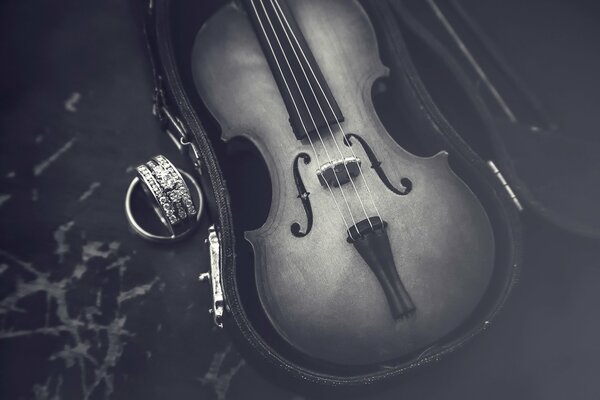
x=89, y=311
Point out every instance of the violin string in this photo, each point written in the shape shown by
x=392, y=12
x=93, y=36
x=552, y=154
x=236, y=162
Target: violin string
x=308, y=110
x=322, y=111
x=280, y=11
x=299, y=115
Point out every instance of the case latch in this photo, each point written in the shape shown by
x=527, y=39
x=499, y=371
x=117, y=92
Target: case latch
x=214, y=277
x=505, y=184
x=173, y=125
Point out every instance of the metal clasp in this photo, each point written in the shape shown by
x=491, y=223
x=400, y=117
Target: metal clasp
x=214, y=277
x=505, y=184
x=173, y=126
x=166, y=117
x=174, y=122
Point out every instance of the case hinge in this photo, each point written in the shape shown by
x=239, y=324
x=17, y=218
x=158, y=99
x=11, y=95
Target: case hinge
x=173, y=125
x=214, y=277
x=505, y=184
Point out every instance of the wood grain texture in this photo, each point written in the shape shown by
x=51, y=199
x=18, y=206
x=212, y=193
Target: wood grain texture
x=317, y=291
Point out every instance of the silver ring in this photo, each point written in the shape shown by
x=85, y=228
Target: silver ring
x=170, y=197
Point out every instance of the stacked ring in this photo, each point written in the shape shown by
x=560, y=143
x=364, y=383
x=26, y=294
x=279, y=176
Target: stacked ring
x=170, y=196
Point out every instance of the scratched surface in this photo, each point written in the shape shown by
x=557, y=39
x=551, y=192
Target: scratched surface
x=88, y=311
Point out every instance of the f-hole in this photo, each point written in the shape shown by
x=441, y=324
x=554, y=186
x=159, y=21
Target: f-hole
x=303, y=196
x=376, y=165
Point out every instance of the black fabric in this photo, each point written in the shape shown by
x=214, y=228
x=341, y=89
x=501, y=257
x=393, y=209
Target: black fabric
x=519, y=80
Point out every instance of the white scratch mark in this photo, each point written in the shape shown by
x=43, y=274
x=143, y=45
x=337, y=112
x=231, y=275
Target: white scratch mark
x=92, y=348
x=4, y=198
x=79, y=270
x=71, y=354
x=129, y=169
x=11, y=257
x=39, y=139
x=41, y=167
x=95, y=249
x=42, y=392
x=54, y=331
x=35, y=195
x=136, y=291
x=219, y=380
x=60, y=236
x=118, y=263
x=71, y=102
x=11, y=174
x=90, y=191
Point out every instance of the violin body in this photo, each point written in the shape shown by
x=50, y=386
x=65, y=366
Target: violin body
x=318, y=264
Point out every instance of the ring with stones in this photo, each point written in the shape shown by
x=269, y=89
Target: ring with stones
x=169, y=195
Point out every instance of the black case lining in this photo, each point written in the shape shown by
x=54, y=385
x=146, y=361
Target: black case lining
x=529, y=74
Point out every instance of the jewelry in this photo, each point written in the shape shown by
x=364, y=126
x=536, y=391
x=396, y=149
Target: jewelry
x=170, y=197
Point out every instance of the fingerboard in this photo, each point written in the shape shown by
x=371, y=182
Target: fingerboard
x=310, y=104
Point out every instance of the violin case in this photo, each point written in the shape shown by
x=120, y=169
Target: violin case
x=473, y=77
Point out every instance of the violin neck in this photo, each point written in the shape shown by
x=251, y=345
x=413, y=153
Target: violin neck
x=307, y=97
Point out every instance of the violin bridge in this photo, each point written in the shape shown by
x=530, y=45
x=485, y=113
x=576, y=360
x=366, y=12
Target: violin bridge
x=339, y=172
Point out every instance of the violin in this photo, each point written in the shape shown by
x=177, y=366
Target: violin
x=369, y=253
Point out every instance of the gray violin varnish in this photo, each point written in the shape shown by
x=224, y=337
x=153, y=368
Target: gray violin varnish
x=324, y=296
